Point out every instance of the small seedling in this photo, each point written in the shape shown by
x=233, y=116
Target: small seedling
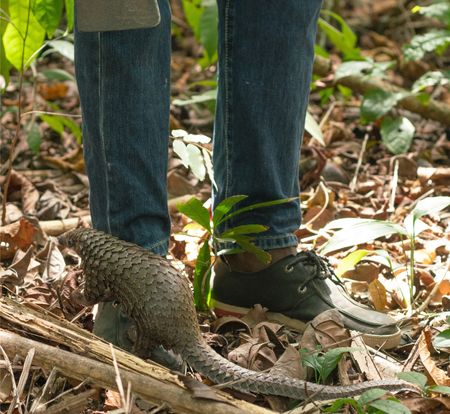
x=241, y=236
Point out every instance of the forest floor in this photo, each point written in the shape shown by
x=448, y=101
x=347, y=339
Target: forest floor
x=351, y=174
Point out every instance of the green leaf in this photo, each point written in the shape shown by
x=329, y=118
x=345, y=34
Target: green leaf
x=210, y=95
x=202, y=274
x=371, y=395
x=390, y=407
x=433, y=41
x=54, y=122
x=430, y=205
x=64, y=47
x=69, y=6
x=194, y=209
x=225, y=206
x=73, y=127
x=313, y=128
x=350, y=261
x=440, y=10
x=361, y=232
x=5, y=65
x=344, y=39
x=259, y=205
x=23, y=25
x=366, y=68
x=442, y=340
x=57, y=74
x=377, y=102
x=397, y=134
x=441, y=389
x=246, y=244
x=244, y=229
x=432, y=78
x=193, y=12
x=208, y=30
x=331, y=359
x=414, y=378
x=339, y=403
x=48, y=13
x=34, y=139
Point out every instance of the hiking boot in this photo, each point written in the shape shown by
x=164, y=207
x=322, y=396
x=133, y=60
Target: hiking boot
x=114, y=326
x=295, y=290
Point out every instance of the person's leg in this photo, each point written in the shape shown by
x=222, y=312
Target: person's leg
x=124, y=83
x=266, y=54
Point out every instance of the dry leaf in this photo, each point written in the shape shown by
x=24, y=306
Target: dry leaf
x=53, y=91
x=200, y=390
x=229, y=324
x=15, y=236
x=437, y=375
x=29, y=194
x=377, y=293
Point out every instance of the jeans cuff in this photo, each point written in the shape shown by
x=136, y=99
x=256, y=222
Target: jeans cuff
x=160, y=248
x=265, y=242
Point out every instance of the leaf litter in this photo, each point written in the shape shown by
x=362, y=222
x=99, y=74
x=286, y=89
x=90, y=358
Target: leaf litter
x=52, y=187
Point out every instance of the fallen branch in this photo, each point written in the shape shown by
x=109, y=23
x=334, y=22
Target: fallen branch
x=150, y=381
x=57, y=227
x=433, y=109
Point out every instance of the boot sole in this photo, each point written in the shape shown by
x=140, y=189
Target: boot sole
x=374, y=341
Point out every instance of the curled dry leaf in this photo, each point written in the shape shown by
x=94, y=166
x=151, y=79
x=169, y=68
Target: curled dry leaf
x=329, y=330
x=53, y=262
x=229, y=323
x=28, y=193
x=15, y=236
x=253, y=355
x=16, y=272
x=425, y=348
x=378, y=295
x=255, y=315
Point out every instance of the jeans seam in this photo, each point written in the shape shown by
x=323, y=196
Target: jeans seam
x=228, y=97
x=102, y=132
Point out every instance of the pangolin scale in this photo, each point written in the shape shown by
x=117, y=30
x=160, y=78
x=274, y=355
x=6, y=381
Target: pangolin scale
x=158, y=298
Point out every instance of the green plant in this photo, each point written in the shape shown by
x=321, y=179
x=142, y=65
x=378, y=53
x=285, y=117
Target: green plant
x=370, y=402
x=24, y=26
x=323, y=363
x=242, y=236
x=436, y=40
x=356, y=231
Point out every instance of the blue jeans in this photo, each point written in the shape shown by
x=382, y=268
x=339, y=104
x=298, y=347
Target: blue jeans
x=265, y=64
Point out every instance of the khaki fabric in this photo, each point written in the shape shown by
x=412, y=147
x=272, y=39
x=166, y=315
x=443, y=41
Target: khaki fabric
x=110, y=15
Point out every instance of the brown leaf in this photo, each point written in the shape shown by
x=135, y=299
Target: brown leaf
x=253, y=355
x=289, y=364
x=329, y=330
x=29, y=194
x=437, y=375
x=228, y=324
x=15, y=236
x=377, y=293
x=255, y=315
x=200, y=390
x=53, y=91
x=54, y=263
x=363, y=272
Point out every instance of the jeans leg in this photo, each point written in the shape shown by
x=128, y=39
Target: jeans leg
x=266, y=51
x=124, y=83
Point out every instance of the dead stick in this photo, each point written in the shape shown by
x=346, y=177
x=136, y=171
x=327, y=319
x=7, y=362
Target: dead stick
x=149, y=388
x=433, y=109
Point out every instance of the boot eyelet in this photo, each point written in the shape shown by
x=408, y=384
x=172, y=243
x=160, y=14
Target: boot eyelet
x=302, y=289
x=288, y=268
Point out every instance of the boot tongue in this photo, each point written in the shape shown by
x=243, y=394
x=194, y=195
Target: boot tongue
x=247, y=262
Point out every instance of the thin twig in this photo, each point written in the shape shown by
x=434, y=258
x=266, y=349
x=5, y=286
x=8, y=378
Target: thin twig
x=19, y=115
x=360, y=158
